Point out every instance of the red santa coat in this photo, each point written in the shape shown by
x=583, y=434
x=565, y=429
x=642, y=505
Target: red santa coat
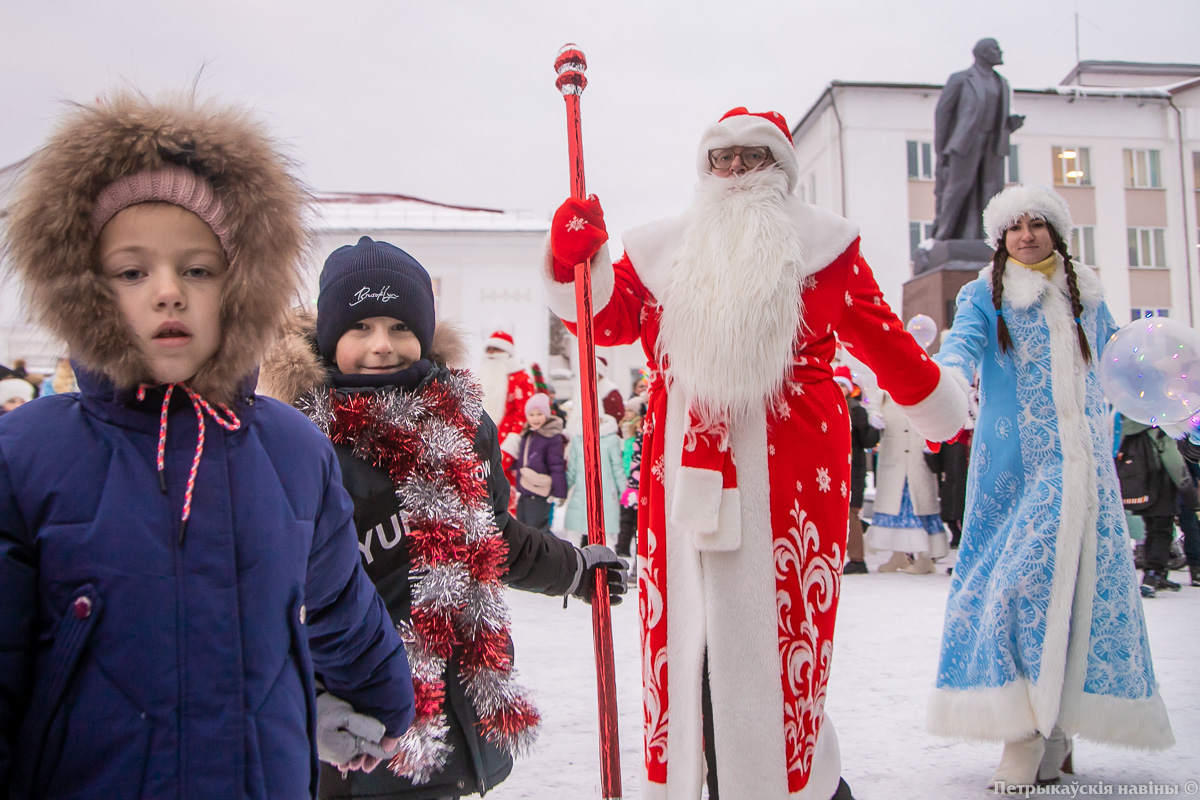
x=709, y=574
x=520, y=389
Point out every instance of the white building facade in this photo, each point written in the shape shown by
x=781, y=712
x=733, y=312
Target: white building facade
x=1120, y=141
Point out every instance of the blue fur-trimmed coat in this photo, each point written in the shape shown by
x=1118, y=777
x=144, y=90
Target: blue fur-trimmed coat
x=1044, y=622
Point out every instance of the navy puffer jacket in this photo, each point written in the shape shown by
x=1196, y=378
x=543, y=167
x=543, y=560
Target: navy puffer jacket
x=136, y=665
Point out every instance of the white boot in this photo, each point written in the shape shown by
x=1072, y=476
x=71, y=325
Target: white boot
x=897, y=562
x=1019, y=763
x=1057, y=758
x=922, y=566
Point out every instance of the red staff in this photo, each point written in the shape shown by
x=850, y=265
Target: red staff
x=570, y=66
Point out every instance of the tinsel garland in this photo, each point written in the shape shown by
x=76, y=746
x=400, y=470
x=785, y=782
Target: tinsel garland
x=424, y=441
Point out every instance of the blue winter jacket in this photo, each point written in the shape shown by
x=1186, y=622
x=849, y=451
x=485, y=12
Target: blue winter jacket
x=134, y=664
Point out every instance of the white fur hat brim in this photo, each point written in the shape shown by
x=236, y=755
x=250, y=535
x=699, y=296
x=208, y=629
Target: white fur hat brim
x=749, y=130
x=1010, y=205
x=501, y=344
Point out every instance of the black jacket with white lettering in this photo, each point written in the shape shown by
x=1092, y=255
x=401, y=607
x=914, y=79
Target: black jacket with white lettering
x=536, y=562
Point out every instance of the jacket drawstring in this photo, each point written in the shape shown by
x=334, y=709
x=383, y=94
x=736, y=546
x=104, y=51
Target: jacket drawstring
x=232, y=423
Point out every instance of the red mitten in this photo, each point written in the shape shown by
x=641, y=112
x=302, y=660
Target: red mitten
x=576, y=234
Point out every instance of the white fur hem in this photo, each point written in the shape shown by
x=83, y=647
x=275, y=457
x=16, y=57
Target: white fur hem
x=942, y=413
x=1005, y=714
x=1139, y=724
x=696, y=506
x=728, y=535
x=1002, y=714
x=561, y=296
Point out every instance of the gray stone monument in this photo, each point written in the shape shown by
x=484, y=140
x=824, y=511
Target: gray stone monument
x=971, y=137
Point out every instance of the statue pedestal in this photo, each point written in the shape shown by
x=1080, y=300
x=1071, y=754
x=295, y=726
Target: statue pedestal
x=939, y=273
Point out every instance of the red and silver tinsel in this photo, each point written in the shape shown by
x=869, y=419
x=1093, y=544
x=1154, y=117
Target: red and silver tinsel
x=425, y=442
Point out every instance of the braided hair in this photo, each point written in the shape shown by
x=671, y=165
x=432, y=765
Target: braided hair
x=1000, y=262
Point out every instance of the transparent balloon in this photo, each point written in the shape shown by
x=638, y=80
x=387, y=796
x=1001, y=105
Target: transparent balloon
x=1150, y=371
x=923, y=329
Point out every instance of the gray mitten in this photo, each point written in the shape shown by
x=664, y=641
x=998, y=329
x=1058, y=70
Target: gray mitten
x=591, y=558
x=343, y=733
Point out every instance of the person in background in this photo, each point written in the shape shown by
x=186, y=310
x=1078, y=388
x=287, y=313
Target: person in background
x=14, y=392
x=62, y=381
x=631, y=453
x=863, y=436
x=950, y=463
x=1168, y=472
x=905, y=518
x=506, y=388
x=612, y=477
x=540, y=464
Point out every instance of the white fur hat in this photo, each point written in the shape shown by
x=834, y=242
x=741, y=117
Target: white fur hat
x=741, y=127
x=12, y=388
x=1010, y=205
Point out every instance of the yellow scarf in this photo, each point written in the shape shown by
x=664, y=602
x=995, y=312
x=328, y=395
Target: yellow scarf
x=1046, y=266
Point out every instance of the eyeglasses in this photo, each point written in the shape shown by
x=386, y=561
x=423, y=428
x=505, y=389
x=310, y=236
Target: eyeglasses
x=752, y=157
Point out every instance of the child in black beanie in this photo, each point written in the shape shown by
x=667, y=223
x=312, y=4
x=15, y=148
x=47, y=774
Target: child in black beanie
x=422, y=464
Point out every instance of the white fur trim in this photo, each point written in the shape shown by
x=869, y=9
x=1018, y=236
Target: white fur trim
x=501, y=344
x=696, y=506
x=560, y=297
x=748, y=130
x=728, y=535
x=1139, y=724
x=511, y=445
x=1025, y=287
x=942, y=413
x=1010, y=205
x=743, y=635
x=1001, y=714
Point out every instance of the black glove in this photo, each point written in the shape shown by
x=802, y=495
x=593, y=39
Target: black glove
x=592, y=557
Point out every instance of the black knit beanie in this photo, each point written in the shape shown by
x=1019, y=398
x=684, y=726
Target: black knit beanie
x=372, y=279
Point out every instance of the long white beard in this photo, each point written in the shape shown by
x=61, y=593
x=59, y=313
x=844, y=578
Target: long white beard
x=493, y=379
x=731, y=309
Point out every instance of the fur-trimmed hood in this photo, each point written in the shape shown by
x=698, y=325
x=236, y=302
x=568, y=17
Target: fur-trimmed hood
x=50, y=244
x=1023, y=287
x=293, y=366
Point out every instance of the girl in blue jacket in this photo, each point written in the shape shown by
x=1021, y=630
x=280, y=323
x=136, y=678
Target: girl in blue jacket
x=177, y=555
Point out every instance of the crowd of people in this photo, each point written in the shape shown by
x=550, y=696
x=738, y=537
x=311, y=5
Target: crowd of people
x=292, y=569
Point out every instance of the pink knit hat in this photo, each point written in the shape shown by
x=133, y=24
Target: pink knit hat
x=176, y=185
x=539, y=402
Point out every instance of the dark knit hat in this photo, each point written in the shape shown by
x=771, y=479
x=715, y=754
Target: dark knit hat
x=372, y=279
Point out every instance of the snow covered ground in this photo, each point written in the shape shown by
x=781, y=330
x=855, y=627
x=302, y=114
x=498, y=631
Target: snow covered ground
x=885, y=654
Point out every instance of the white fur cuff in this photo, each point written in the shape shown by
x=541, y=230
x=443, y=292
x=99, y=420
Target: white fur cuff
x=696, y=506
x=561, y=296
x=511, y=445
x=943, y=412
x=728, y=535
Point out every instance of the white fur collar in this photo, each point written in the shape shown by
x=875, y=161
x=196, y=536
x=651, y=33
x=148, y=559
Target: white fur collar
x=652, y=245
x=1024, y=287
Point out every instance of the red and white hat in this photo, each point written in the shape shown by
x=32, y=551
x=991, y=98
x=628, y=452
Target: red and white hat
x=740, y=127
x=843, y=377
x=501, y=340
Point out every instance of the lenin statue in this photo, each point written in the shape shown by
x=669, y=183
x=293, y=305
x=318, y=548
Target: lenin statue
x=971, y=129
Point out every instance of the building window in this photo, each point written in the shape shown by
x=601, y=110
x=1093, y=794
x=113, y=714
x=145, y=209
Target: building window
x=920, y=161
x=1012, y=166
x=1072, y=166
x=917, y=233
x=1082, y=246
x=1147, y=247
x=1141, y=169
x=1143, y=313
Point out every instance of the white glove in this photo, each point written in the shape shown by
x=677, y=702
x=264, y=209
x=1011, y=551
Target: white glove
x=343, y=733
x=875, y=420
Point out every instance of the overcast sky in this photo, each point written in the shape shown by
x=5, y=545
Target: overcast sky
x=455, y=101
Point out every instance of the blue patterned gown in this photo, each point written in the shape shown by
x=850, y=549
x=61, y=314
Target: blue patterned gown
x=1044, y=621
